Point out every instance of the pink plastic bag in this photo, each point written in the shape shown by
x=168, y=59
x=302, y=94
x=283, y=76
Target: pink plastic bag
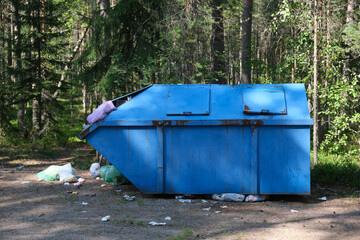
x=101, y=112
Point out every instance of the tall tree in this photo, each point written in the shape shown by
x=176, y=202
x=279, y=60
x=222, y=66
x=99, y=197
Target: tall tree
x=315, y=93
x=217, y=45
x=246, y=42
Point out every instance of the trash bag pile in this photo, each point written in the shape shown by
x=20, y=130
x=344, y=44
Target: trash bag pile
x=67, y=174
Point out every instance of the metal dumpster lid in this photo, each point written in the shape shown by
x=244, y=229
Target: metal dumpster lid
x=225, y=106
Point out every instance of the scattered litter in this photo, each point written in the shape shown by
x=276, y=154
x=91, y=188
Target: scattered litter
x=66, y=184
x=25, y=182
x=97, y=178
x=95, y=170
x=217, y=211
x=103, y=185
x=203, y=201
x=129, y=198
x=81, y=180
x=84, y=203
x=118, y=191
x=322, y=199
x=157, y=224
x=294, y=211
x=185, y=200
x=72, y=192
x=236, y=218
x=168, y=218
x=84, y=211
x=20, y=167
x=105, y=219
x=229, y=197
x=207, y=209
x=77, y=184
x=178, y=197
x=254, y=198
x=224, y=206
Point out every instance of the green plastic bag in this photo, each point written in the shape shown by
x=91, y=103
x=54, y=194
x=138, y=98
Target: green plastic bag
x=49, y=174
x=111, y=175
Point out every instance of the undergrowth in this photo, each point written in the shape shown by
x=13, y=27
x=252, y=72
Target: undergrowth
x=336, y=170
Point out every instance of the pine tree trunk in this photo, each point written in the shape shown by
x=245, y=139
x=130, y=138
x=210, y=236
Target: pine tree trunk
x=315, y=97
x=18, y=67
x=350, y=11
x=217, y=44
x=246, y=42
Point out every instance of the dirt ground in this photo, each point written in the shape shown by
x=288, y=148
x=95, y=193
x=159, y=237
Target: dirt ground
x=51, y=210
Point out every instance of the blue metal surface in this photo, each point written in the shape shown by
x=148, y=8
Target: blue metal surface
x=200, y=139
x=264, y=100
x=188, y=100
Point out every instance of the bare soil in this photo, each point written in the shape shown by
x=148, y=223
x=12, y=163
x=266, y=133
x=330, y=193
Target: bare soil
x=51, y=210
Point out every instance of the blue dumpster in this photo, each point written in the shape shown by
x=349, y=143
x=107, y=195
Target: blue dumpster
x=205, y=139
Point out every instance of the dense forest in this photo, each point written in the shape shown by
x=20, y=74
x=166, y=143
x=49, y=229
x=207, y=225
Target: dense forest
x=60, y=59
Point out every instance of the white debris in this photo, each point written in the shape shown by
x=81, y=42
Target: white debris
x=157, y=223
x=77, y=184
x=84, y=203
x=103, y=185
x=105, y=219
x=204, y=201
x=322, y=199
x=129, y=198
x=81, y=180
x=229, y=197
x=207, y=209
x=178, y=197
x=25, y=182
x=217, y=211
x=185, y=200
x=97, y=178
x=66, y=184
x=118, y=191
x=168, y=218
x=84, y=211
x=294, y=211
x=224, y=206
x=254, y=198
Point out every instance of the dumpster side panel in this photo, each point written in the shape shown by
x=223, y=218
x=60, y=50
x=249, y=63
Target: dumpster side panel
x=284, y=159
x=132, y=150
x=204, y=160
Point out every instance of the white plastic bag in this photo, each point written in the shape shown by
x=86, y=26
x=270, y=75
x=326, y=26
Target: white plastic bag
x=67, y=173
x=229, y=197
x=95, y=170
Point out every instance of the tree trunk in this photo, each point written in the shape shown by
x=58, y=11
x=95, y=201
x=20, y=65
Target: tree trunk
x=217, y=44
x=315, y=97
x=350, y=11
x=246, y=42
x=18, y=67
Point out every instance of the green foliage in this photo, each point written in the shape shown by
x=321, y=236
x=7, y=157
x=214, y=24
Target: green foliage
x=187, y=233
x=342, y=99
x=337, y=170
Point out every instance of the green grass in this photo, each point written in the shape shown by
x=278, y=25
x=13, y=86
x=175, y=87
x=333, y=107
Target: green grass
x=336, y=170
x=187, y=233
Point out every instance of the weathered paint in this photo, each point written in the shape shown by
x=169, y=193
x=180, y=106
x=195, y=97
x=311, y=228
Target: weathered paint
x=227, y=150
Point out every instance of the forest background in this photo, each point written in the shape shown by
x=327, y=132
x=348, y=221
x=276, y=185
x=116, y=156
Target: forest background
x=59, y=59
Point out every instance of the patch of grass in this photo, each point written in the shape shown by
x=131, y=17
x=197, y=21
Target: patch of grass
x=140, y=202
x=187, y=233
x=336, y=170
x=116, y=221
x=140, y=223
x=23, y=201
